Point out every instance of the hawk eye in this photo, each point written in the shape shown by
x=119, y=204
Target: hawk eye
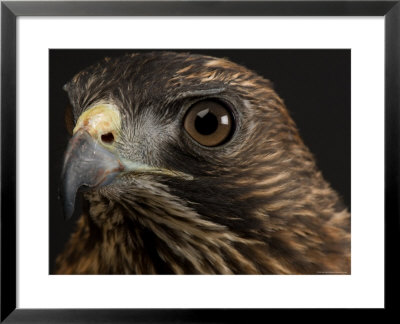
x=209, y=123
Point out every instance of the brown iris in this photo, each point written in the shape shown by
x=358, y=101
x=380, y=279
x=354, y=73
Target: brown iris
x=209, y=123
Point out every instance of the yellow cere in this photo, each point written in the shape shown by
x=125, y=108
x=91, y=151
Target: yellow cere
x=99, y=120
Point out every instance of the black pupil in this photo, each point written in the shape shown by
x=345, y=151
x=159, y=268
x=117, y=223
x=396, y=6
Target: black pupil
x=206, y=122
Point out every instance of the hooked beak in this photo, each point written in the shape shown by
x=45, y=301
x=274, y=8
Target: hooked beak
x=86, y=163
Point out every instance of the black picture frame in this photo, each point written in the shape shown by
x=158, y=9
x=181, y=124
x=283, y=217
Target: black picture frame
x=10, y=10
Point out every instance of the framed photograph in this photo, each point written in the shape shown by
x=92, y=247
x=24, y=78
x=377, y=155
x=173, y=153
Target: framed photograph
x=150, y=147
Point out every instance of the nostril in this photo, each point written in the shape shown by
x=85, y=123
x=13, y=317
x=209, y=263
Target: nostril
x=107, y=138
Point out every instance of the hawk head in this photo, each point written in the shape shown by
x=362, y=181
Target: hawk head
x=192, y=164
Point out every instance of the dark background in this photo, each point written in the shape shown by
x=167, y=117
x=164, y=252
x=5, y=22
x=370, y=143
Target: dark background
x=315, y=85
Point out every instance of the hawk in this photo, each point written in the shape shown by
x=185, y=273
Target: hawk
x=191, y=164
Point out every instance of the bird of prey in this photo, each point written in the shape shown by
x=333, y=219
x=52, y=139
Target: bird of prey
x=191, y=164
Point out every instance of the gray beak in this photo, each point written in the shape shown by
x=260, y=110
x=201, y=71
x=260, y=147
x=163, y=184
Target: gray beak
x=86, y=163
